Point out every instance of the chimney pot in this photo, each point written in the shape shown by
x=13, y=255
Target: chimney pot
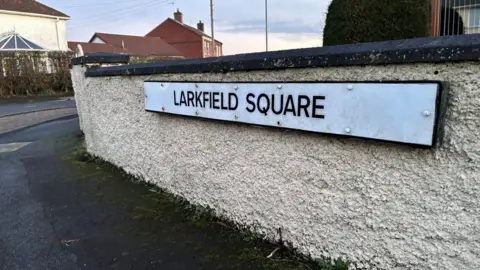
x=178, y=16
x=201, y=26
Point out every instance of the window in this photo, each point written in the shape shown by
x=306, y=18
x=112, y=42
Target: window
x=474, y=17
x=207, y=51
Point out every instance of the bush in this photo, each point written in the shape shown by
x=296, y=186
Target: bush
x=358, y=21
x=152, y=58
x=34, y=73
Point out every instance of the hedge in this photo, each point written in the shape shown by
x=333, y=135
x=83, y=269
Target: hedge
x=34, y=73
x=358, y=21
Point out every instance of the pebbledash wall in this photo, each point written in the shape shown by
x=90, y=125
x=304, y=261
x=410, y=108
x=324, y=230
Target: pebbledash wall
x=376, y=204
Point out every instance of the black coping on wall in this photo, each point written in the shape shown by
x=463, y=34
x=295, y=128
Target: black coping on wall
x=101, y=58
x=419, y=50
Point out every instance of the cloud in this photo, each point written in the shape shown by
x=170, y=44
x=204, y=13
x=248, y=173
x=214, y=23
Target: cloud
x=238, y=24
x=235, y=43
x=256, y=26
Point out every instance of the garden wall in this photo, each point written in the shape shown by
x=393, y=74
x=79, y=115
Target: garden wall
x=376, y=204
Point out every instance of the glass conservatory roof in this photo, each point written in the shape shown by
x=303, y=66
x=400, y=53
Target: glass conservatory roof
x=15, y=42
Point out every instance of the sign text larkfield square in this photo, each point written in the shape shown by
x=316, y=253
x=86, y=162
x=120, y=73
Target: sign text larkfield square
x=398, y=112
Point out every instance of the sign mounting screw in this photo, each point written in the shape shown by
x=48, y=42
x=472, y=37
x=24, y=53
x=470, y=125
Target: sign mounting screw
x=279, y=123
x=236, y=116
x=236, y=88
x=161, y=84
x=279, y=86
x=196, y=85
x=350, y=87
x=163, y=108
x=427, y=113
x=348, y=130
x=196, y=113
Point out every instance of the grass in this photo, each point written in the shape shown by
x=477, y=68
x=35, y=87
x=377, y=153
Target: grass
x=159, y=206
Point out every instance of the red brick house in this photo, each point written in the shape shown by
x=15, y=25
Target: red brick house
x=190, y=41
x=135, y=46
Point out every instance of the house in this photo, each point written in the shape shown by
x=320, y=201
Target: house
x=89, y=48
x=190, y=41
x=455, y=17
x=135, y=46
x=469, y=12
x=30, y=22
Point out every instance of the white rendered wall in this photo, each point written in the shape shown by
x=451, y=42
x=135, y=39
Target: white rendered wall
x=379, y=205
x=42, y=31
x=98, y=40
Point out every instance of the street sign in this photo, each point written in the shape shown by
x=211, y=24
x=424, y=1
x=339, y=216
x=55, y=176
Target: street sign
x=399, y=112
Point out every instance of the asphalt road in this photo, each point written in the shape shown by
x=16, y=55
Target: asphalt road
x=27, y=240
x=60, y=212
x=17, y=108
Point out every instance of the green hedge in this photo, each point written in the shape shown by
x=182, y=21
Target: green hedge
x=357, y=21
x=34, y=73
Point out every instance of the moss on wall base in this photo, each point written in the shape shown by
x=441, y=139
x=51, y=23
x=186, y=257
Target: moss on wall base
x=158, y=208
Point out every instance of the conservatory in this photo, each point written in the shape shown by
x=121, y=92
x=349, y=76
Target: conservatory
x=13, y=41
x=19, y=54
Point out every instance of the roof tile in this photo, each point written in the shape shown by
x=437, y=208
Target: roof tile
x=195, y=30
x=30, y=6
x=138, y=45
x=188, y=27
x=125, y=44
x=94, y=47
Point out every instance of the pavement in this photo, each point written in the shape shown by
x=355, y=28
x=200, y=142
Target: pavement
x=61, y=210
x=20, y=106
x=18, y=121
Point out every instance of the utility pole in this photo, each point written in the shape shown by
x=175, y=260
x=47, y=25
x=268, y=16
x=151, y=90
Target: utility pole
x=213, y=29
x=266, y=25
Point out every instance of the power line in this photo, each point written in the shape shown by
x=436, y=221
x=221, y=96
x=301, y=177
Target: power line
x=109, y=13
x=96, y=4
x=110, y=16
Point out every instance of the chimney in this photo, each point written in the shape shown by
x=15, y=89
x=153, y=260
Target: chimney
x=178, y=16
x=201, y=26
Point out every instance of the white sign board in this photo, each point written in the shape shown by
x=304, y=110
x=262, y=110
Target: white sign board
x=398, y=112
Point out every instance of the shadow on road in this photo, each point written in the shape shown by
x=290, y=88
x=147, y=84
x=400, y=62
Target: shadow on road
x=33, y=99
x=61, y=210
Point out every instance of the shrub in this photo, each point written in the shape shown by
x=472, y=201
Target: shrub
x=34, y=73
x=358, y=21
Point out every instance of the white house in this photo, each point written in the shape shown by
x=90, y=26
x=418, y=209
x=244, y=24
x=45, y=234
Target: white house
x=36, y=22
x=469, y=11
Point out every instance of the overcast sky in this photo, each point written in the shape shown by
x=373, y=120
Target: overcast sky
x=239, y=23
